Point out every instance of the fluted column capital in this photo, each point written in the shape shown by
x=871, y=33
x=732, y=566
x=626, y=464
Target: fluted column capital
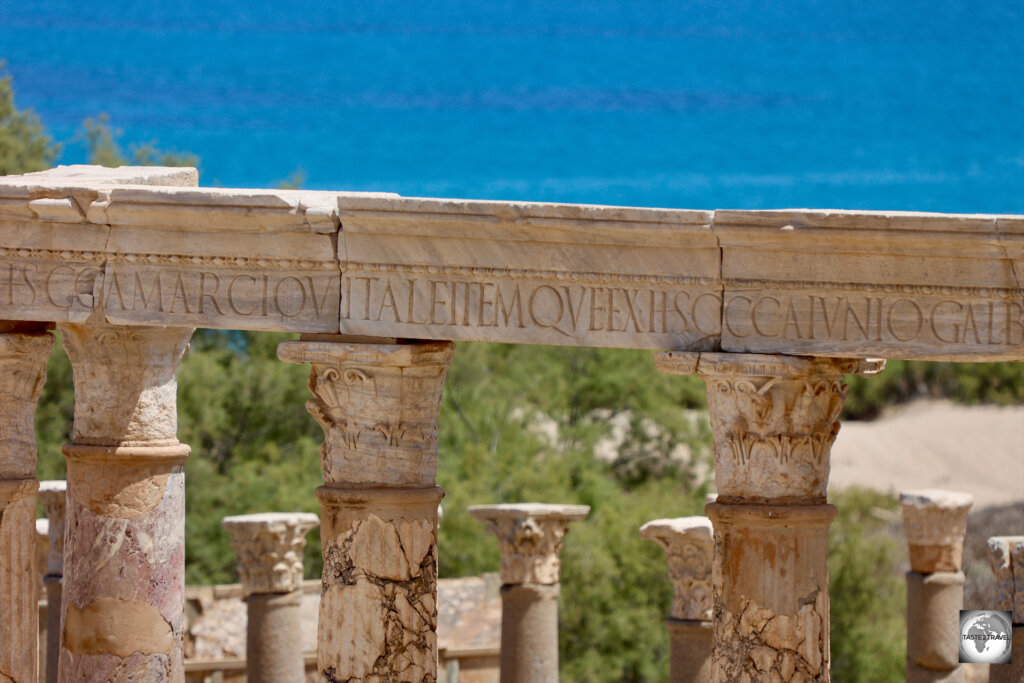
x=689, y=547
x=530, y=538
x=378, y=405
x=269, y=549
x=1006, y=555
x=935, y=522
x=774, y=419
x=53, y=494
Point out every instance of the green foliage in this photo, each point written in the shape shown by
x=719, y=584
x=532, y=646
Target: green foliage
x=25, y=146
x=867, y=590
x=101, y=139
x=295, y=180
x=1000, y=383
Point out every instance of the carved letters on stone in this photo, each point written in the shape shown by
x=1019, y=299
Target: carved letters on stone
x=530, y=538
x=689, y=548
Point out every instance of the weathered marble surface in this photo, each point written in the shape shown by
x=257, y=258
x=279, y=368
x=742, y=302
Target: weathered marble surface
x=809, y=282
x=689, y=547
x=269, y=549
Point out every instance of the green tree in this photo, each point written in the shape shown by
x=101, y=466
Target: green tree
x=25, y=146
x=102, y=141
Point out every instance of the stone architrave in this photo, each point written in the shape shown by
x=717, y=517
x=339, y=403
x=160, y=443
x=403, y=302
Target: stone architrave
x=1006, y=556
x=124, y=548
x=269, y=550
x=53, y=496
x=774, y=420
x=530, y=539
x=378, y=405
x=935, y=522
x=23, y=358
x=689, y=547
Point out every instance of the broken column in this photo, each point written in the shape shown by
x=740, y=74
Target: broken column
x=689, y=548
x=378, y=405
x=530, y=540
x=23, y=357
x=53, y=496
x=774, y=420
x=1006, y=555
x=124, y=578
x=934, y=522
x=269, y=550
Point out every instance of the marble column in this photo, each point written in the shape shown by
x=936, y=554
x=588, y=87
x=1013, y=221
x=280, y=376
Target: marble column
x=530, y=540
x=934, y=522
x=42, y=549
x=124, y=547
x=1006, y=555
x=689, y=548
x=378, y=405
x=23, y=357
x=269, y=550
x=53, y=496
x=774, y=420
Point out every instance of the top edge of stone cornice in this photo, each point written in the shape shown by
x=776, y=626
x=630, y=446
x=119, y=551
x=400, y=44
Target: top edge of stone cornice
x=936, y=499
x=913, y=221
x=529, y=511
x=84, y=175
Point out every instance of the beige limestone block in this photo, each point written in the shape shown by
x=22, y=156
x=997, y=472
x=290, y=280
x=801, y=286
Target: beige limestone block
x=530, y=537
x=1006, y=556
x=935, y=522
x=689, y=546
x=269, y=549
x=378, y=611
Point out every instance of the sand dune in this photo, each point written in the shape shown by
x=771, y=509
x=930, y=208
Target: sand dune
x=925, y=444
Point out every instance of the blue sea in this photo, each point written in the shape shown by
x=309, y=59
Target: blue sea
x=868, y=104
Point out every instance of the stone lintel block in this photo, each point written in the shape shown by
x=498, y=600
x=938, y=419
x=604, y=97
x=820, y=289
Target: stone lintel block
x=774, y=420
x=378, y=406
x=269, y=549
x=53, y=494
x=530, y=538
x=935, y=522
x=1006, y=556
x=689, y=548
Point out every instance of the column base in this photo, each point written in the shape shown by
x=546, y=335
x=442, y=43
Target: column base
x=378, y=610
x=691, y=641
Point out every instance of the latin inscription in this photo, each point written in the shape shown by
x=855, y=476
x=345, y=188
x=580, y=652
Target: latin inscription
x=150, y=293
x=860, y=319
x=567, y=310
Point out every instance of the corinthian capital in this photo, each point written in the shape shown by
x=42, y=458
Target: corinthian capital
x=269, y=549
x=530, y=538
x=1006, y=555
x=935, y=522
x=689, y=547
x=378, y=405
x=774, y=419
x=22, y=375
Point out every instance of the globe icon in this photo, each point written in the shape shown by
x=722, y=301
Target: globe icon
x=985, y=637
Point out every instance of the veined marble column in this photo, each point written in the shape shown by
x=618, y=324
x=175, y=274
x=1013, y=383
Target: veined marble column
x=689, y=548
x=934, y=522
x=22, y=375
x=378, y=405
x=269, y=549
x=1006, y=555
x=124, y=547
x=53, y=496
x=774, y=420
x=530, y=539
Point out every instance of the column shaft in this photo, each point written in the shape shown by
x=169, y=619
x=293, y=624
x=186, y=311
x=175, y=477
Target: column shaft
x=774, y=420
x=22, y=374
x=378, y=405
x=53, y=496
x=529, y=633
x=124, y=564
x=273, y=644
